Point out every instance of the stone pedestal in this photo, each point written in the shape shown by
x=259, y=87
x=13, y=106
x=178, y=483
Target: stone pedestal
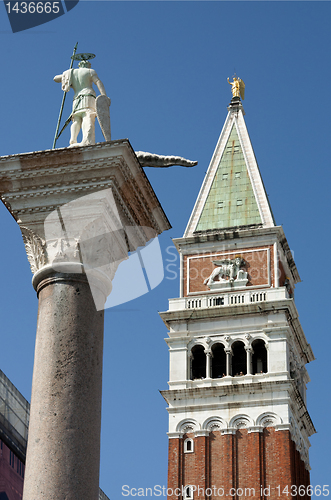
x=81, y=211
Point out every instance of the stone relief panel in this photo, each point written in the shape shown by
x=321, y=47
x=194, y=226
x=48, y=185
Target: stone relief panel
x=227, y=274
x=226, y=271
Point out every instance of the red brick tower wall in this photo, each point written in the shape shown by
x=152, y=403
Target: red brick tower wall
x=258, y=465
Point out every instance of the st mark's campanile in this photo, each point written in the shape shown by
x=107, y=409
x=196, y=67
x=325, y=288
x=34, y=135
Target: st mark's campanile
x=238, y=420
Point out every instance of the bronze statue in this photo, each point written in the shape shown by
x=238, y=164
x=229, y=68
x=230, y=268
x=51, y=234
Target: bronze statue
x=237, y=87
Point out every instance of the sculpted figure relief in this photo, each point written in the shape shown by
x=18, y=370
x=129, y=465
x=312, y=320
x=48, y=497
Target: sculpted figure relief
x=84, y=103
x=227, y=268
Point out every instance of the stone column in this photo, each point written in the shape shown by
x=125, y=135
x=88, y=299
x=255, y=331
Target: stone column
x=208, y=363
x=249, y=352
x=65, y=420
x=81, y=211
x=228, y=353
x=189, y=367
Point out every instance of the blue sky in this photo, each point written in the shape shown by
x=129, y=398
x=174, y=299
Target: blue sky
x=165, y=65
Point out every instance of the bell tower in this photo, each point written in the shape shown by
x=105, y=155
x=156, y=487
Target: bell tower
x=238, y=421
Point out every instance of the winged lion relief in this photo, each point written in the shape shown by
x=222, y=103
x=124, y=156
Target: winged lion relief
x=228, y=273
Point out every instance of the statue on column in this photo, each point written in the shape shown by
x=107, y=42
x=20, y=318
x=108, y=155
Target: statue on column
x=86, y=106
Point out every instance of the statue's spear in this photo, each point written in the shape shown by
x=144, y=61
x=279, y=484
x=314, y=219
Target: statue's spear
x=62, y=105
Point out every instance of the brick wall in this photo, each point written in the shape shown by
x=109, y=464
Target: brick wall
x=258, y=465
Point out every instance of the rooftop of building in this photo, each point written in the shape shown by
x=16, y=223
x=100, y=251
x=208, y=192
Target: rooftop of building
x=14, y=420
x=232, y=194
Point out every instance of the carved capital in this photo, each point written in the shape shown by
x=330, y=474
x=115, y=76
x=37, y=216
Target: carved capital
x=35, y=248
x=83, y=206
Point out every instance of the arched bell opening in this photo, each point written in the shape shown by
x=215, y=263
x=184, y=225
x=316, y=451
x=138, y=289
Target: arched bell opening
x=239, y=358
x=260, y=357
x=218, y=367
x=198, y=362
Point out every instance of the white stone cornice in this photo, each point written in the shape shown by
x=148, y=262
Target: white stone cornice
x=201, y=433
x=175, y=435
x=65, y=174
x=255, y=428
x=283, y=427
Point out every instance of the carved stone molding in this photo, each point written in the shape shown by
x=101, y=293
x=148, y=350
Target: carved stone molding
x=35, y=248
x=33, y=185
x=214, y=424
x=175, y=435
x=89, y=206
x=241, y=422
x=188, y=425
x=201, y=433
x=268, y=420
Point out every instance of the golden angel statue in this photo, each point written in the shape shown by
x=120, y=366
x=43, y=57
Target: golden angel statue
x=237, y=87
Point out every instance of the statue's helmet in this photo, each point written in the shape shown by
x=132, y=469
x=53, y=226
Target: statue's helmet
x=84, y=64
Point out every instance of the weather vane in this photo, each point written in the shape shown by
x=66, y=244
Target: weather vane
x=237, y=87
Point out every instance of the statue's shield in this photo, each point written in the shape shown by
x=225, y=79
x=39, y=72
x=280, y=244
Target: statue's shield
x=102, y=104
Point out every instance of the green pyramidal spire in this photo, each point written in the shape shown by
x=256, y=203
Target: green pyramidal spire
x=232, y=193
x=231, y=200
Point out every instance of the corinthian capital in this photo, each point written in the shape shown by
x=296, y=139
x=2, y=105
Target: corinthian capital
x=35, y=248
x=81, y=210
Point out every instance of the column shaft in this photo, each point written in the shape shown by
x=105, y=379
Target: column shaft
x=249, y=361
x=208, y=364
x=63, y=452
x=228, y=362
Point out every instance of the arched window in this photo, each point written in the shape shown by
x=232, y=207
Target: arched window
x=198, y=362
x=239, y=358
x=188, y=445
x=260, y=357
x=188, y=495
x=218, y=367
